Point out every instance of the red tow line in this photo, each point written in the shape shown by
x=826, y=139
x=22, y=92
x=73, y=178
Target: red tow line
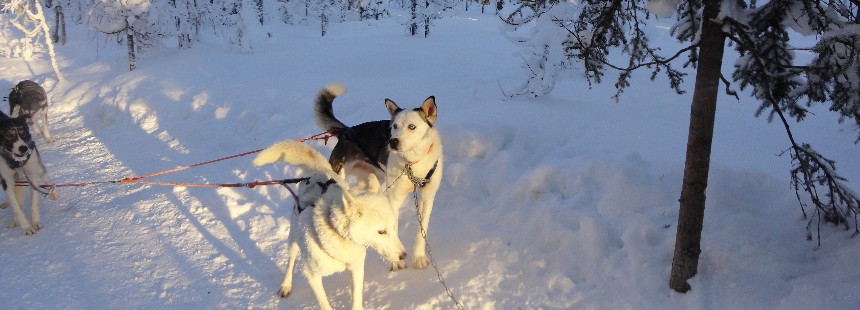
x=324, y=136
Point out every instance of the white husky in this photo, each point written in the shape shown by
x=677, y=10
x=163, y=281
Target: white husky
x=405, y=152
x=331, y=225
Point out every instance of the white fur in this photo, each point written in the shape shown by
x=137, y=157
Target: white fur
x=336, y=227
x=336, y=89
x=422, y=147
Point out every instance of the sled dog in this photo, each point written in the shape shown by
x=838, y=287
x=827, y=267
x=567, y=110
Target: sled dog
x=21, y=160
x=29, y=98
x=332, y=225
x=405, y=152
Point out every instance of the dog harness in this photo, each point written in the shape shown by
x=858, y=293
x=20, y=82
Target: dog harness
x=323, y=186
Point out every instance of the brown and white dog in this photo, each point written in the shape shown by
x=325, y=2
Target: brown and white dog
x=29, y=98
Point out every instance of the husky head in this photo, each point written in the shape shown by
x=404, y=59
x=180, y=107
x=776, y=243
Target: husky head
x=16, y=144
x=27, y=97
x=372, y=224
x=412, y=131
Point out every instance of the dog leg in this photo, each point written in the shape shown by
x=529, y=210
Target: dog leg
x=287, y=285
x=357, y=273
x=12, y=199
x=397, y=196
x=425, y=207
x=44, y=119
x=35, y=218
x=316, y=284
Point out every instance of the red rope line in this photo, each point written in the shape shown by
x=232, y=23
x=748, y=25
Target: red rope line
x=324, y=136
x=180, y=168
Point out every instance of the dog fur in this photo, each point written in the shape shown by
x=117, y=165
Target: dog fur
x=29, y=98
x=21, y=159
x=405, y=152
x=332, y=225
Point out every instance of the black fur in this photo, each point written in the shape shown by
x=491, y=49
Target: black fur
x=366, y=141
x=10, y=129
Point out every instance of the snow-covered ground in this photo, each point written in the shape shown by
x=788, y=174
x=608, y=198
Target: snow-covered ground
x=568, y=201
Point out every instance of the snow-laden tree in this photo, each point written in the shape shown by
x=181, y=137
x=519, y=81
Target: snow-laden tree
x=28, y=17
x=786, y=88
x=540, y=28
x=140, y=23
x=187, y=21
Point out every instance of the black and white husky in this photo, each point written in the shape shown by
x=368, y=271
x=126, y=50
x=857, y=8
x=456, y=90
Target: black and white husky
x=29, y=98
x=21, y=160
x=403, y=153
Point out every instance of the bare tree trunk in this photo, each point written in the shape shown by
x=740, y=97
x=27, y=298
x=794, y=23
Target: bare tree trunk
x=59, y=35
x=688, y=238
x=413, y=27
x=129, y=39
x=323, y=23
x=426, y=18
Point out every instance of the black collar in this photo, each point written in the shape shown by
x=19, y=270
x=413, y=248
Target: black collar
x=420, y=182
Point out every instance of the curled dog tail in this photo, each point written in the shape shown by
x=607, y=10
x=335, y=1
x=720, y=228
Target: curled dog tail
x=297, y=154
x=323, y=112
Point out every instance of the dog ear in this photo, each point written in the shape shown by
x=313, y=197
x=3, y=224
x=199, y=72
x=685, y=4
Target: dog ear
x=351, y=205
x=429, y=108
x=392, y=107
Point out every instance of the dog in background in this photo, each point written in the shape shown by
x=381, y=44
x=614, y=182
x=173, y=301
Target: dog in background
x=29, y=98
x=405, y=152
x=332, y=225
x=21, y=160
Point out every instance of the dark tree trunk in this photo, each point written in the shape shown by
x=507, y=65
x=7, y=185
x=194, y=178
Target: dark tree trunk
x=129, y=39
x=59, y=35
x=413, y=27
x=426, y=18
x=692, y=210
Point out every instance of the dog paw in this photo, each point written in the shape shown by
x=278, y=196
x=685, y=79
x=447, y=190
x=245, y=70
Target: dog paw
x=395, y=266
x=4, y=205
x=53, y=195
x=284, y=292
x=419, y=262
x=29, y=230
x=36, y=225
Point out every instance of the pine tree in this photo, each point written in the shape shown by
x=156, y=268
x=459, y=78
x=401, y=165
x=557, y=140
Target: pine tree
x=766, y=66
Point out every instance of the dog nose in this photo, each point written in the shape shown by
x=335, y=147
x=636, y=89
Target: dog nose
x=403, y=256
x=394, y=143
x=23, y=149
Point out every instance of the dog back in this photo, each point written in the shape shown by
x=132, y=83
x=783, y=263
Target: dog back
x=28, y=97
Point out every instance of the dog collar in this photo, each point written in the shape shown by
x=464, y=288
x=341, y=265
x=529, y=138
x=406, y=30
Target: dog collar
x=418, y=182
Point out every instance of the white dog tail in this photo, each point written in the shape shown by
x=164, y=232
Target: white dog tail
x=323, y=111
x=297, y=154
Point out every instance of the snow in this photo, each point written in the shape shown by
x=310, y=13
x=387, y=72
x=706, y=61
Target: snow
x=558, y=202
